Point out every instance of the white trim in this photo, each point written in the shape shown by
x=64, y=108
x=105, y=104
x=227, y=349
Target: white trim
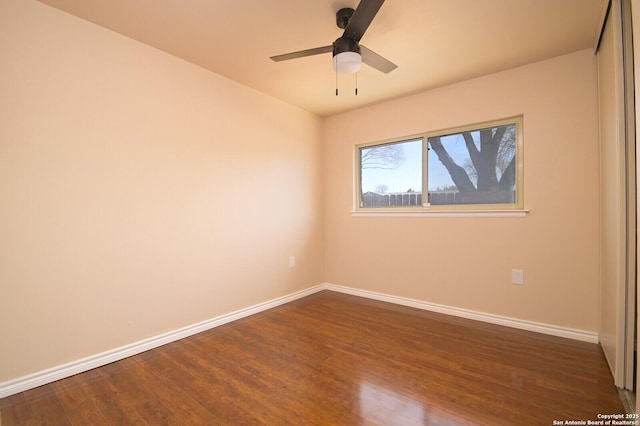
x=442, y=213
x=85, y=364
x=569, y=333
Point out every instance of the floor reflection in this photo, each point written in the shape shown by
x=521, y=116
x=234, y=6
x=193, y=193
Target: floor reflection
x=389, y=407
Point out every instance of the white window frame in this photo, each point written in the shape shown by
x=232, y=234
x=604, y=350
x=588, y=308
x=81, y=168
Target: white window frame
x=515, y=209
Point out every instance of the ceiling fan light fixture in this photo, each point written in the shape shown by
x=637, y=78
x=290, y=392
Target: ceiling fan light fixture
x=347, y=62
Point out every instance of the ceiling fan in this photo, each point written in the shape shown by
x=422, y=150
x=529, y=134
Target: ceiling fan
x=348, y=54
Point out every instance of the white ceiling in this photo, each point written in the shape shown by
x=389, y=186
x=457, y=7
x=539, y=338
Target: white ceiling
x=433, y=42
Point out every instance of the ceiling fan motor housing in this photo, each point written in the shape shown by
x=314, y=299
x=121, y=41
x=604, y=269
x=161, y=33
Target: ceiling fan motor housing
x=344, y=44
x=346, y=56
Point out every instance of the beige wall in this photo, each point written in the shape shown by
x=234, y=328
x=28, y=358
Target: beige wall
x=138, y=193
x=466, y=262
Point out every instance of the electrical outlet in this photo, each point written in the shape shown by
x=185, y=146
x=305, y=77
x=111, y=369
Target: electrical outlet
x=517, y=276
x=292, y=262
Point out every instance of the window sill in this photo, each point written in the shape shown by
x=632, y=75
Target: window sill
x=442, y=213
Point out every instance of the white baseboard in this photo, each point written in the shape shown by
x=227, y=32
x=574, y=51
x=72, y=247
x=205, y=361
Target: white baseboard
x=552, y=330
x=66, y=370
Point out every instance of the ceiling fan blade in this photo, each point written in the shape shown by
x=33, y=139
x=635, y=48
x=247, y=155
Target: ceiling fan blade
x=303, y=53
x=376, y=61
x=361, y=19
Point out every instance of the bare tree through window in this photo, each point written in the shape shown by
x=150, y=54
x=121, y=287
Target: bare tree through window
x=486, y=172
x=477, y=165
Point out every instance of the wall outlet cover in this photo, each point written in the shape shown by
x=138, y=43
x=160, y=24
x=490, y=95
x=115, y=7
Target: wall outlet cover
x=517, y=276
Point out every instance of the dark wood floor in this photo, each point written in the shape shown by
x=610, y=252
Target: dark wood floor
x=334, y=359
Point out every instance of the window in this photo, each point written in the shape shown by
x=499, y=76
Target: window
x=475, y=167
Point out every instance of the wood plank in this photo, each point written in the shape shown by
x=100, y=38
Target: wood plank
x=332, y=358
x=42, y=407
x=109, y=401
